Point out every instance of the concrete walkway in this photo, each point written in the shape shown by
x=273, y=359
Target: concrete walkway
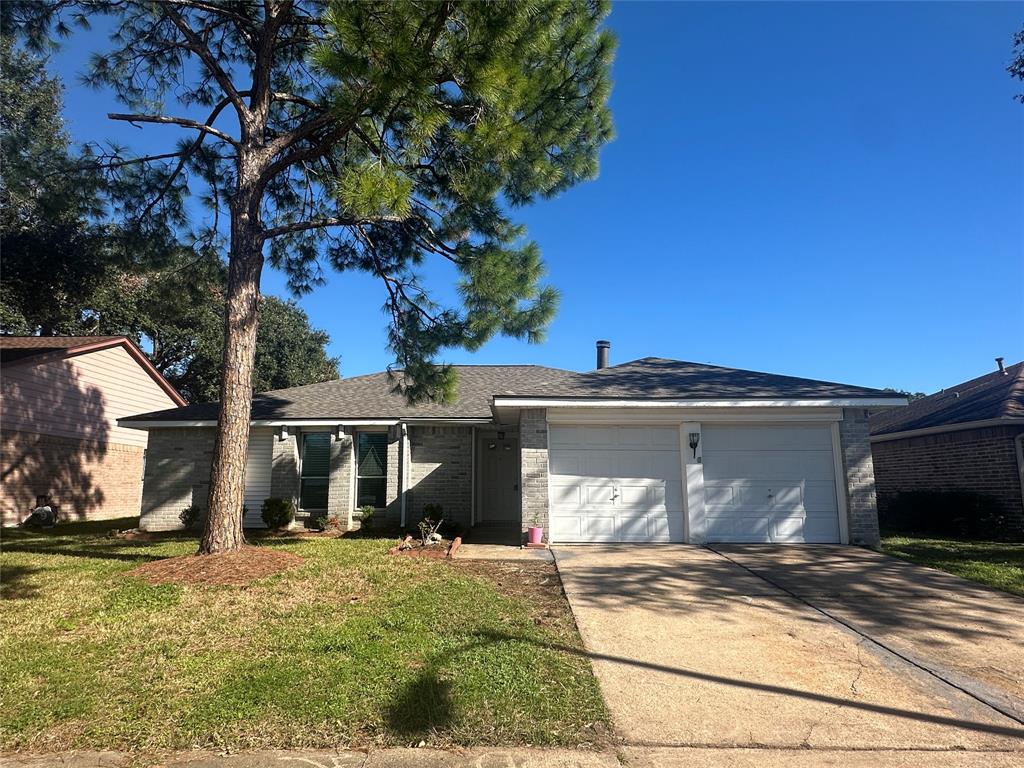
x=630, y=757
x=693, y=649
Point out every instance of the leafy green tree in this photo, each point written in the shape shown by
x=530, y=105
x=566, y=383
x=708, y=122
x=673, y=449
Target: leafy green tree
x=179, y=311
x=52, y=253
x=355, y=135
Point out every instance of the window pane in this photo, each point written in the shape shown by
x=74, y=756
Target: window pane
x=370, y=491
x=373, y=454
x=316, y=454
x=314, y=493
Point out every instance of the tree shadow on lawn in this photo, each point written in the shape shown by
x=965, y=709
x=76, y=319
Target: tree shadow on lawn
x=423, y=706
x=16, y=582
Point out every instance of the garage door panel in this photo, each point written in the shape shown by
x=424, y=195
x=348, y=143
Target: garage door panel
x=770, y=483
x=599, y=528
x=565, y=494
x=598, y=494
x=739, y=529
x=775, y=438
x=629, y=480
x=565, y=463
x=821, y=498
x=566, y=528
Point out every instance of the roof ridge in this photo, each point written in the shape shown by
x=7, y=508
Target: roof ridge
x=730, y=369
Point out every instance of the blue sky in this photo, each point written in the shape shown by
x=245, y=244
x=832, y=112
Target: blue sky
x=824, y=190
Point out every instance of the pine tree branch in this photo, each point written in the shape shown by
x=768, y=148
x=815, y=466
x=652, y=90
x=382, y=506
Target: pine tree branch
x=327, y=222
x=184, y=122
x=200, y=49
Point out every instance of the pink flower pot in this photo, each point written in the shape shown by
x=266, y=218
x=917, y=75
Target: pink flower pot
x=535, y=535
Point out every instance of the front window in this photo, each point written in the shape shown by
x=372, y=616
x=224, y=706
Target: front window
x=315, y=470
x=371, y=469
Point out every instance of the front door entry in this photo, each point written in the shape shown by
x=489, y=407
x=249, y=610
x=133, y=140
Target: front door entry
x=499, y=480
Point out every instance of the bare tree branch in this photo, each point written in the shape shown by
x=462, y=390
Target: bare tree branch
x=184, y=122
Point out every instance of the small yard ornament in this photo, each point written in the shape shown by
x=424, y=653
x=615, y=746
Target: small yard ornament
x=43, y=516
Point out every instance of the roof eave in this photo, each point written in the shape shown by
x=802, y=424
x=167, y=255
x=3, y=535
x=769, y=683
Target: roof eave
x=939, y=429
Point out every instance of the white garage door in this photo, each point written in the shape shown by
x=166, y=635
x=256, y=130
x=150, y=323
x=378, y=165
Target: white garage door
x=769, y=484
x=615, y=484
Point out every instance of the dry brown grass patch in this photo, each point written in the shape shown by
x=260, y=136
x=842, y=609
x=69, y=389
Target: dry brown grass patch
x=235, y=569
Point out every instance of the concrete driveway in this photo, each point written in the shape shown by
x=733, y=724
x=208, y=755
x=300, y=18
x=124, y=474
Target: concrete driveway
x=830, y=648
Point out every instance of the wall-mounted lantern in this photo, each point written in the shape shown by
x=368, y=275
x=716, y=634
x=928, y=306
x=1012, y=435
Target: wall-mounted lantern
x=694, y=442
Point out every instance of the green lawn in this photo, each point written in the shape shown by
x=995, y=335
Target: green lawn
x=993, y=563
x=352, y=648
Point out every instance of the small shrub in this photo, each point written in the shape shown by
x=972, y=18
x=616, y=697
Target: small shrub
x=278, y=513
x=959, y=514
x=366, y=514
x=319, y=523
x=191, y=517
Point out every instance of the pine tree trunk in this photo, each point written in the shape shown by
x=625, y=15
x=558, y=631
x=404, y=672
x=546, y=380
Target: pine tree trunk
x=223, y=531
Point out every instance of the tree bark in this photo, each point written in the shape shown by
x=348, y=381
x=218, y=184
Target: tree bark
x=223, y=530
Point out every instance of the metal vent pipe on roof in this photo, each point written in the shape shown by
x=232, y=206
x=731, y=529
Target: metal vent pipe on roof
x=1002, y=368
x=602, y=353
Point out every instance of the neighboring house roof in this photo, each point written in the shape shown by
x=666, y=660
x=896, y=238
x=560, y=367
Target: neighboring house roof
x=370, y=397
x=14, y=349
x=994, y=396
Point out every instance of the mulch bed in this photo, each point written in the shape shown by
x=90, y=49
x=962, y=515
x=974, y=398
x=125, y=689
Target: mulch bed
x=235, y=569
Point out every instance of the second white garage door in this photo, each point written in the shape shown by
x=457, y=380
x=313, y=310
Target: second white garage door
x=615, y=484
x=769, y=484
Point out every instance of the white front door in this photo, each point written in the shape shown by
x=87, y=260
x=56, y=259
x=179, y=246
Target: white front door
x=769, y=484
x=614, y=483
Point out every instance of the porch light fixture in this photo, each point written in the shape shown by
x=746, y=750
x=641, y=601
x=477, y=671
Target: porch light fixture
x=284, y=433
x=694, y=442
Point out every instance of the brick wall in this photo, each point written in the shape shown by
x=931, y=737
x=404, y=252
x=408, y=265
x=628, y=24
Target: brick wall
x=440, y=472
x=533, y=441
x=339, y=488
x=177, y=475
x=88, y=480
x=861, y=506
x=971, y=460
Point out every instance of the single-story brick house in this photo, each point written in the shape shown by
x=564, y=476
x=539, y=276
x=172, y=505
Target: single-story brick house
x=61, y=397
x=653, y=450
x=967, y=438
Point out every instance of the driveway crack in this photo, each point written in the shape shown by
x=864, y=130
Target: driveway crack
x=995, y=706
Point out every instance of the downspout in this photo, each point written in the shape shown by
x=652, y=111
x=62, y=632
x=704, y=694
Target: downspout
x=403, y=479
x=472, y=474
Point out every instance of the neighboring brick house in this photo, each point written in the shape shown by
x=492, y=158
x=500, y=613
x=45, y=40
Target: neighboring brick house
x=966, y=438
x=60, y=399
x=652, y=450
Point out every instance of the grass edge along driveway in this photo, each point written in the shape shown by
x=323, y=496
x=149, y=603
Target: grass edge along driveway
x=997, y=564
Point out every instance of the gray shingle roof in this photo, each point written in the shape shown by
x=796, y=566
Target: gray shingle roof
x=659, y=378
x=370, y=397
x=992, y=396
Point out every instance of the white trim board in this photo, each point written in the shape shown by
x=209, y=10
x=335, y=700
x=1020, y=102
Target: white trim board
x=677, y=415
x=961, y=427
x=867, y=402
